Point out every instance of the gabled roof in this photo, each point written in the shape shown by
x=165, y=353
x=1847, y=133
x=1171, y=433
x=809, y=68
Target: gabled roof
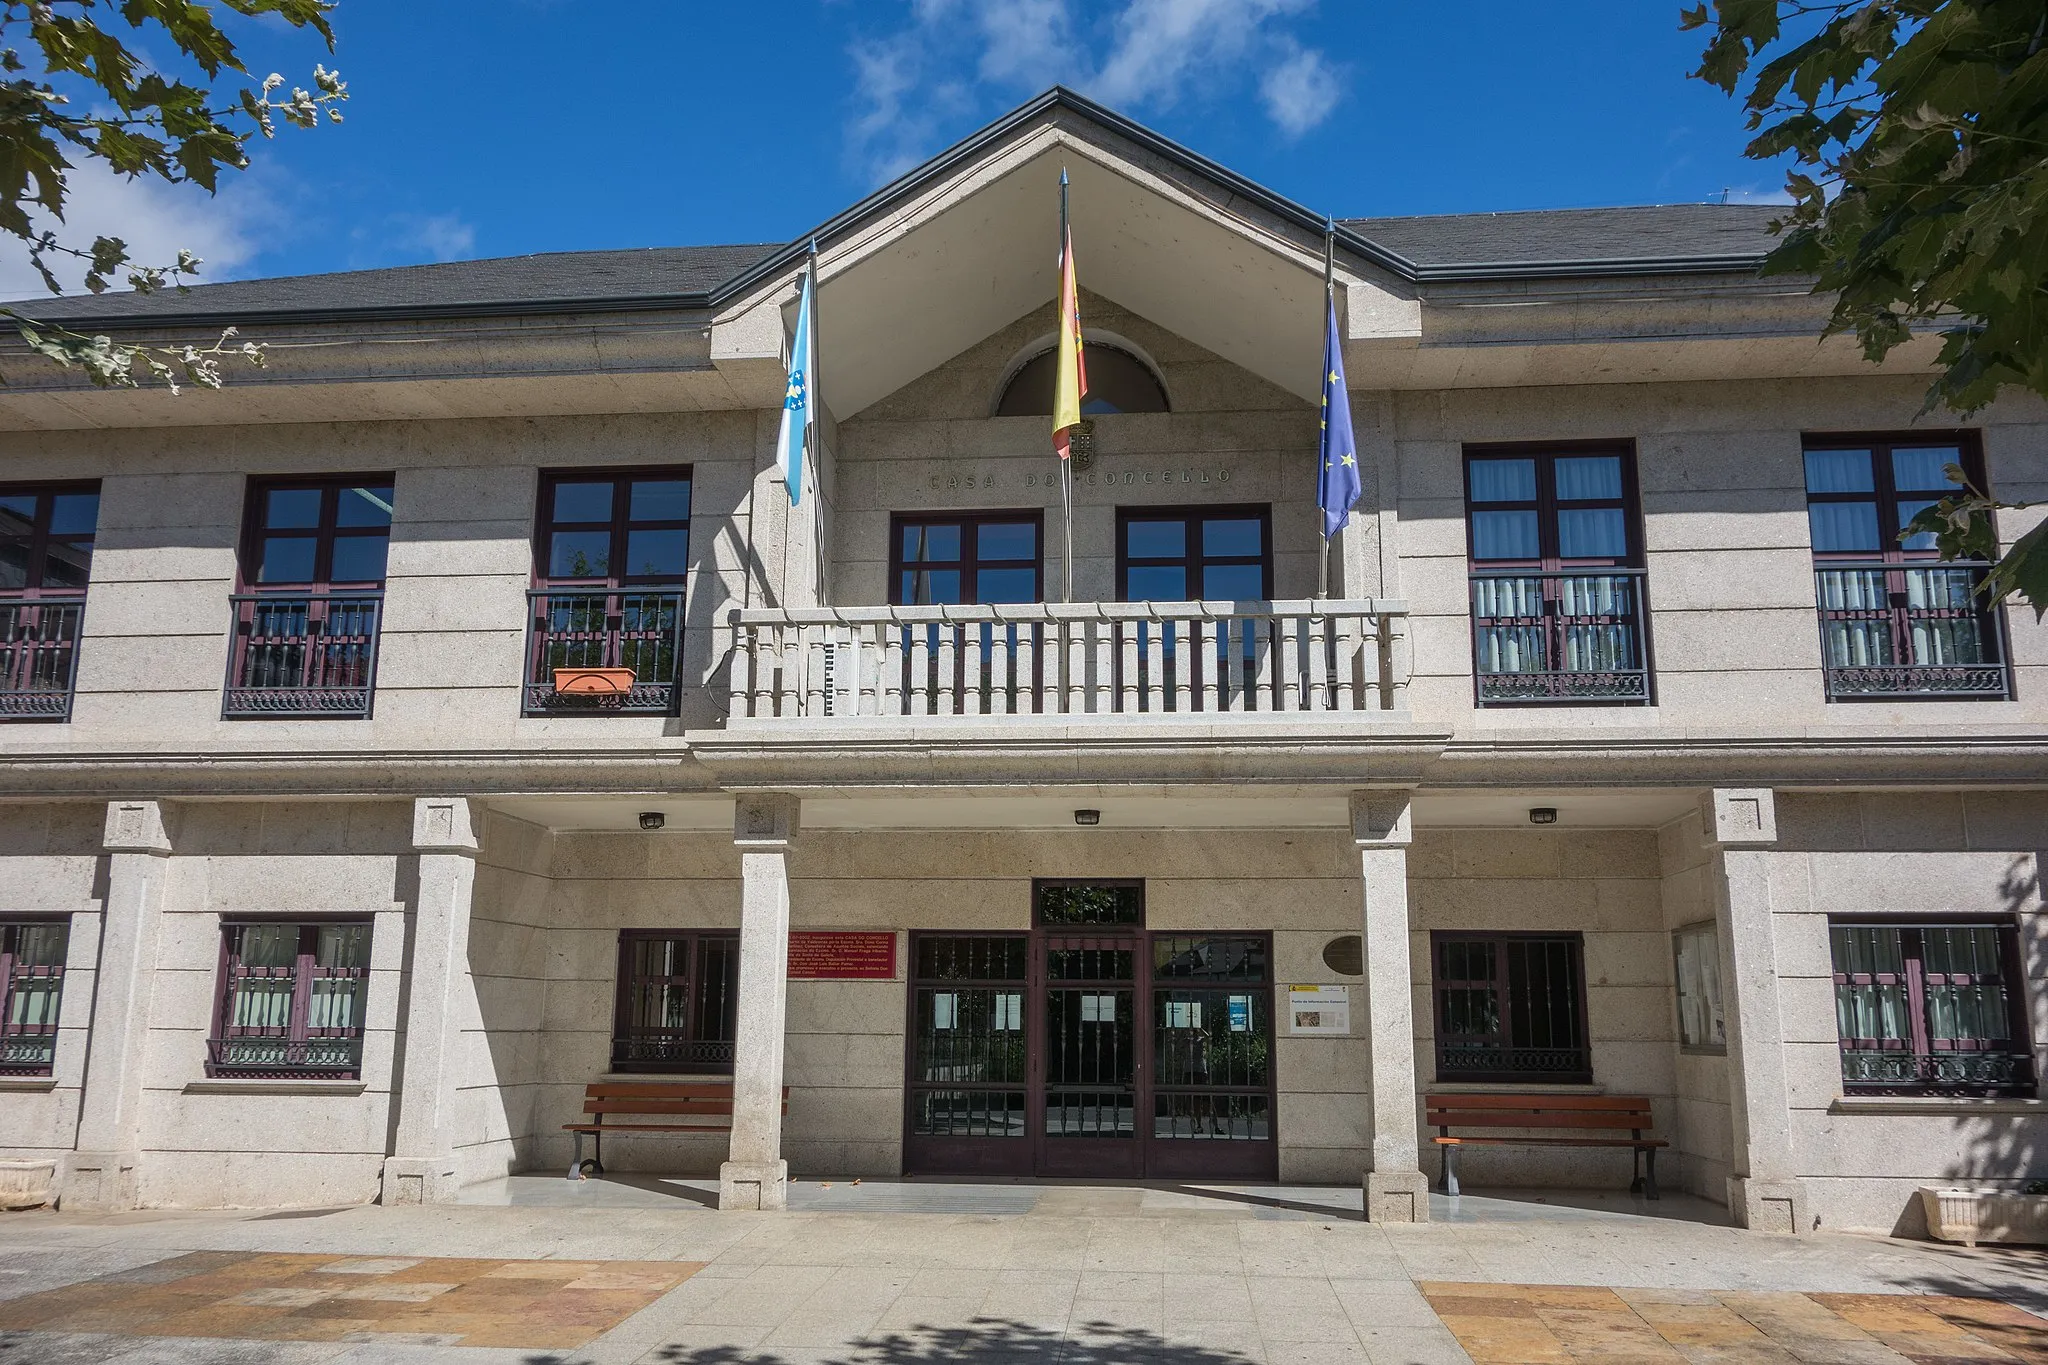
x=1668, y=239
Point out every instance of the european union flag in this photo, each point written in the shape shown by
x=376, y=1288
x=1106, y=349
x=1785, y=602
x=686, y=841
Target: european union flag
x=1338, y=486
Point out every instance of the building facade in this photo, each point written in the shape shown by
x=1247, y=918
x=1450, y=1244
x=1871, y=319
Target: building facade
x=457, y=712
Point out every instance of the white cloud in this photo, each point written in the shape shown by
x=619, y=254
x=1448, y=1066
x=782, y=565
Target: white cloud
x=1301, y=91
x=956, y=59
x=441, y=237
x=157, y=220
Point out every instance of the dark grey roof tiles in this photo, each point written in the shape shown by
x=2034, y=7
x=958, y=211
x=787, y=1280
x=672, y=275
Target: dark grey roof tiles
x=507, y=279
x=1651, y=232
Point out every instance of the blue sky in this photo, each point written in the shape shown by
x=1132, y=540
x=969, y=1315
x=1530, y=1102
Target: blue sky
x=499, y=127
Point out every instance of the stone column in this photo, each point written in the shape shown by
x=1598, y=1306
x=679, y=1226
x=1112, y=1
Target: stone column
x=754, y=1175
x=1765, y=1192
x=421, y=1167
x=1396, y=1191
x=101, y=1174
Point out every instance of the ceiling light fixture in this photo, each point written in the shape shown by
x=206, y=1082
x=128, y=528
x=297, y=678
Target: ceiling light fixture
x=652, y=819
x=1543, y=815
x=1087, y=817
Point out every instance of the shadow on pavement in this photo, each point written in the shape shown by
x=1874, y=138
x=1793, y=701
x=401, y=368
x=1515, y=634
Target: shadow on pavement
x=984, y=1340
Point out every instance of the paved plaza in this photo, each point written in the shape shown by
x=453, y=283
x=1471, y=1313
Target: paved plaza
x=537, y=1270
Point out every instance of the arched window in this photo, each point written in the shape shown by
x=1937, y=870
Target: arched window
x=1117, y=382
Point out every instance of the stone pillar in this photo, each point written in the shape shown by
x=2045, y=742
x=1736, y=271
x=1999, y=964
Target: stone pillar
x=754, y=1175
x=421, y=1167
x=1765, y=1192
x=1396, y=1191
x=100, y=1176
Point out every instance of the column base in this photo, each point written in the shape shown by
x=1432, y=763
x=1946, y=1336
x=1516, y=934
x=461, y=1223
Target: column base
x=1769, y=1205
x=98, y=1182
x=419, y=1180
x=1396, y=1197
x=762, y=1185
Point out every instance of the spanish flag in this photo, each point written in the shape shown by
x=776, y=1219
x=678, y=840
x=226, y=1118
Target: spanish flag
x=1072, y=384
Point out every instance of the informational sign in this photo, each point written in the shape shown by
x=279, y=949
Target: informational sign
x=835, y=955
x=1319, y=1010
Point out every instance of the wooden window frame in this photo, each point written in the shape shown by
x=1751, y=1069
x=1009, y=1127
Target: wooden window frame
x=324, y=535
x=1191, y=561
x=619, y=526
x=1914, y=978
x=970, y=564
x=46, y=494
x=716, y=1058
x=1575, y=943
x=1040, y=885
x=298, y=1029
x=10, y=929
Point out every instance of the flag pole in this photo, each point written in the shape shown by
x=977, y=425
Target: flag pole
x=816, y=436
x=1329, y=302
x=1066, y=463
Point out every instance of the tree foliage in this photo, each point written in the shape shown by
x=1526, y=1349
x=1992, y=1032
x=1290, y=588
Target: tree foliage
x=77, y=88
x=1917, y=132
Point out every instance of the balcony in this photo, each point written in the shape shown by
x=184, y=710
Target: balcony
x=1137, y=659
x=1885, y=1071
x=39, y=655
x=1902, y=631
x=307, y=654
x=258, y=1056
x=602, y=652
x=1559, y=638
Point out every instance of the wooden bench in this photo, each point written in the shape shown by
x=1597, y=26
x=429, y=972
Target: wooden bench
x=669, y=1099
x=1581, y=1117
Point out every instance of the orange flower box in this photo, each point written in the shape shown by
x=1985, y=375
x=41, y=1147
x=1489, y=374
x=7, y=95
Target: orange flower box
x=593, y=682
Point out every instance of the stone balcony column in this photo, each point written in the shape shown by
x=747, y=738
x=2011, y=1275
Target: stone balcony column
x=1765, y=1191
x=421, y=1168
x=1396, y=1191
x=101, y=1174
x=754, y=1175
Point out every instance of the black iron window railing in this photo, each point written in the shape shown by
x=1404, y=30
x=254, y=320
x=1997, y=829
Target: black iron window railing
x=32, y=955
x=1905, y=629
x=678, y=1000
x=605, y=650
x=1510, y=1007
x=1569, y=636
x=1931, y=1009
x=39, y=654
x=303, y=654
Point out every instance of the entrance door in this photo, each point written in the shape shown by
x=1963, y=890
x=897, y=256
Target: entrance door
x=1090, y=1047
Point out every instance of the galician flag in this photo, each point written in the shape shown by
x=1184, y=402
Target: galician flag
x=1338, y=485
x=1072, y=384
x=796, y=399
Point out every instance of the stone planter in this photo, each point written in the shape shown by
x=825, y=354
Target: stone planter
x=1973, y=1216
x=26, y=1184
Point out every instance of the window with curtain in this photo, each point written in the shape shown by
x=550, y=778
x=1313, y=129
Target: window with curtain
x=1696, y=963
x=31, y=993
x=678, y=993
x=1931, y=1008
x=291, y=1000
x=1555, y=539
x=1510, y=1007
x=1895, y=619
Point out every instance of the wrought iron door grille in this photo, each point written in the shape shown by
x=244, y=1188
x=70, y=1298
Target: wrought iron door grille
x=1890, y=630
x=1559, y=637
x=968, y=1050
x=39, y=655
x=308, y=654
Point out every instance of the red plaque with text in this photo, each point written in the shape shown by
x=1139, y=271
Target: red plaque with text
x=831, y=955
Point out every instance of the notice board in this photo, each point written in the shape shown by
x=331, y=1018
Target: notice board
x=842, y=955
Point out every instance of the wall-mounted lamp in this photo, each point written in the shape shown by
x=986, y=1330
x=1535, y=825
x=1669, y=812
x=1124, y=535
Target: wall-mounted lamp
x=1087, y=817
x=1543, y=815
x=652, y=819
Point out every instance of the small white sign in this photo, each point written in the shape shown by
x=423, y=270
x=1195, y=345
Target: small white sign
x=1098, y=1009
x=1319, y=1010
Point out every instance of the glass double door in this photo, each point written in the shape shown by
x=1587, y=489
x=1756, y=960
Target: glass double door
x=1096, y=1053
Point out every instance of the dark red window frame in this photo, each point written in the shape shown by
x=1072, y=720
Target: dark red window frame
x=40, y=623
x=1523, y=1041
x=28, y=1048
x=297, y=1048
x=1193, y=558
x=970, y=563
x=708, y=980
x=619, y=526
x=1924, y=1062
x=1617, y=622
x=1987, y=680
x=324, y=535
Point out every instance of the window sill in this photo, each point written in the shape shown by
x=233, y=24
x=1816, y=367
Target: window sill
x=265, y=1085
x=1512, y=1088
x=27, y=1084
x=663, y=1077
x=1959, y=1106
